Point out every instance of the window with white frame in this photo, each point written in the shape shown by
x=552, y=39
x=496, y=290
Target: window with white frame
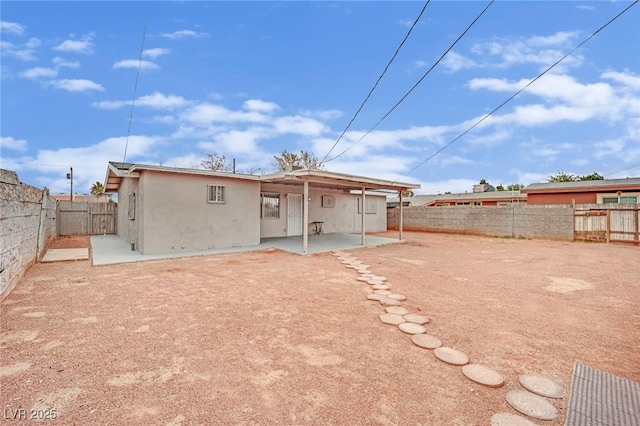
x=269, y=205
x=216, y=194
x=622, y=198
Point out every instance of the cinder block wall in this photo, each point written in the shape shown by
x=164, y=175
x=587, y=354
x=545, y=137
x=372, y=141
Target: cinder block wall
x=546, y=222
x=27, y=226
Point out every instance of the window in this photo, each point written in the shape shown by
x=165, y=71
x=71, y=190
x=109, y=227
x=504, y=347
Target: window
x=477, y=203
x=269, y=206
x=216, y=194
x=463, y=203
x=623, y=199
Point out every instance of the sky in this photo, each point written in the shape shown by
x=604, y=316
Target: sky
x=169, y=82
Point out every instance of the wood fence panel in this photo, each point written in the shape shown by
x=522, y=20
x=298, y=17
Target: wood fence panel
x=607, y=223
x=86, y=218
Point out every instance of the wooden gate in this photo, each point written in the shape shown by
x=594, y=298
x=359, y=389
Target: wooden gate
x=607, y=223
x=86, y=218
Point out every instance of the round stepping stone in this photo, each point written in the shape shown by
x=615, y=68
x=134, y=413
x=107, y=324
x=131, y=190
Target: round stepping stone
x=388, y=302
x=397, y=310
x=426, y=341
x=483, y=375
x=531, y=405
x=450, y=355
x=392, y=319
x=508, y=419
x=379, y=297
x=385, y=292
x=397, y=296
x=418, y=319
x=411, y=328
x=380, y=287
x=541, y=385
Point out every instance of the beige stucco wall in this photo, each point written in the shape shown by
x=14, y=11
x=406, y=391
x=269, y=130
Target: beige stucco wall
x=127, y=229
x=174, y=214
x=343, y=218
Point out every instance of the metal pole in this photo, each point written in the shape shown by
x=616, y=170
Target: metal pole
x=71, y=184
x=305, y=218
x=400, y=221
x=363, y=214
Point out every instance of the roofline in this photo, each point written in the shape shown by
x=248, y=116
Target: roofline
x=351, y=180
x=613, y=186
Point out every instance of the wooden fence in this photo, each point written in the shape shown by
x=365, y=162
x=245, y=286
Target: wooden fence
x=607, y=223
x=86, y=218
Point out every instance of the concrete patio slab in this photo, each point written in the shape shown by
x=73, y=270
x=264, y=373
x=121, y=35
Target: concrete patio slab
x=61, y=255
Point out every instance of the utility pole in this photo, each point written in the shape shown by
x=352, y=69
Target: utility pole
x=70, y=176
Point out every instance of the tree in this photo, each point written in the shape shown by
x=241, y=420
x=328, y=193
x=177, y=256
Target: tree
x=216, y=163
x=515, y=187
x=592, y=176
x=562, y=177
x=290, y=160
x=407, y=193
x=500, y=187
x=97, y=189
x=483, y=181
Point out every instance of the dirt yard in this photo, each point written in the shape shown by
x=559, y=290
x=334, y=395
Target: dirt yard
x=276, y=338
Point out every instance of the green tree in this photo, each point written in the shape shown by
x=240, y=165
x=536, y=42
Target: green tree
x=483, y=181
x=97, y=189
x=500, y=187
x=515, y=187
x=407, y=193
x=562, y=177
x=592, y=176
x=290, y=160
x=216, y=163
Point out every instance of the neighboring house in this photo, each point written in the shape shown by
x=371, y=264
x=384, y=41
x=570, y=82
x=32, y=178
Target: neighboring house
x=81, y=198
x=165, y=209
x=473, y=199
x=584, y=192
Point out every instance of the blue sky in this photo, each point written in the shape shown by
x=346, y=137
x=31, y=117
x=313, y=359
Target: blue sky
x=250, y=79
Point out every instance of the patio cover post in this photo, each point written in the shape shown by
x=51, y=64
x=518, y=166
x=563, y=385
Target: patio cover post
x=363, y=209
x=400, y=222
x=305, y=218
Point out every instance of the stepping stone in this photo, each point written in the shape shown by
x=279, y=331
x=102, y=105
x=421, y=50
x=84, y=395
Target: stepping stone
x=378, y=297
x=418, y=319
x=483, y=375
x=396, y=310
x=374, y=282
x=385, y=292
x=411, y=328
x=380, y=287
x=362, y=279
x=451, y=356
x=388, y=302
x=378, y=277
x=541, y=385
x=363, y=266
x=426, y=341
x=397, y=296
x=508, y=419
x=531, y=405
x=392, y=319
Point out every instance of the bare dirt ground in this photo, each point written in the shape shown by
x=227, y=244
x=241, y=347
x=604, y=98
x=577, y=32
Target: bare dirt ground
x=276, y=338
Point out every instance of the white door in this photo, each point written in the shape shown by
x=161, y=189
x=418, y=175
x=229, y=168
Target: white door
x=294, y=212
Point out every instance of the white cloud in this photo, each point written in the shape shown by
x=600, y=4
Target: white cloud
x=205, y=114
x=176, y=35
x=84, y=46
x=237, y=142
x=59, y=62
x=155, y=100
x=454, y=186
x=134, y=63
x=561, y=38
x=39, y=72
x=627, y=78
x=7, y=142
x=325, y=115
x=455, y=62
x=585, y=7
x=75, y=85
x=260, y=106
x=25, y=52
x=299, y=125
x=154, y=53
x=11, y=28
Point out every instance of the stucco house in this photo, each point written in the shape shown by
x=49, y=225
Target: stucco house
x=624, y=191
x=167, y=209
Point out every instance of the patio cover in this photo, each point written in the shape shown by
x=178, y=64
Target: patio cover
x=332, y=180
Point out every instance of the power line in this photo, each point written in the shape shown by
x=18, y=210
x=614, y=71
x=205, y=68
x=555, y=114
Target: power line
x=377, y=82
x=524, y=88
x=417, y=83
x=135, y=88
x=631, y=167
